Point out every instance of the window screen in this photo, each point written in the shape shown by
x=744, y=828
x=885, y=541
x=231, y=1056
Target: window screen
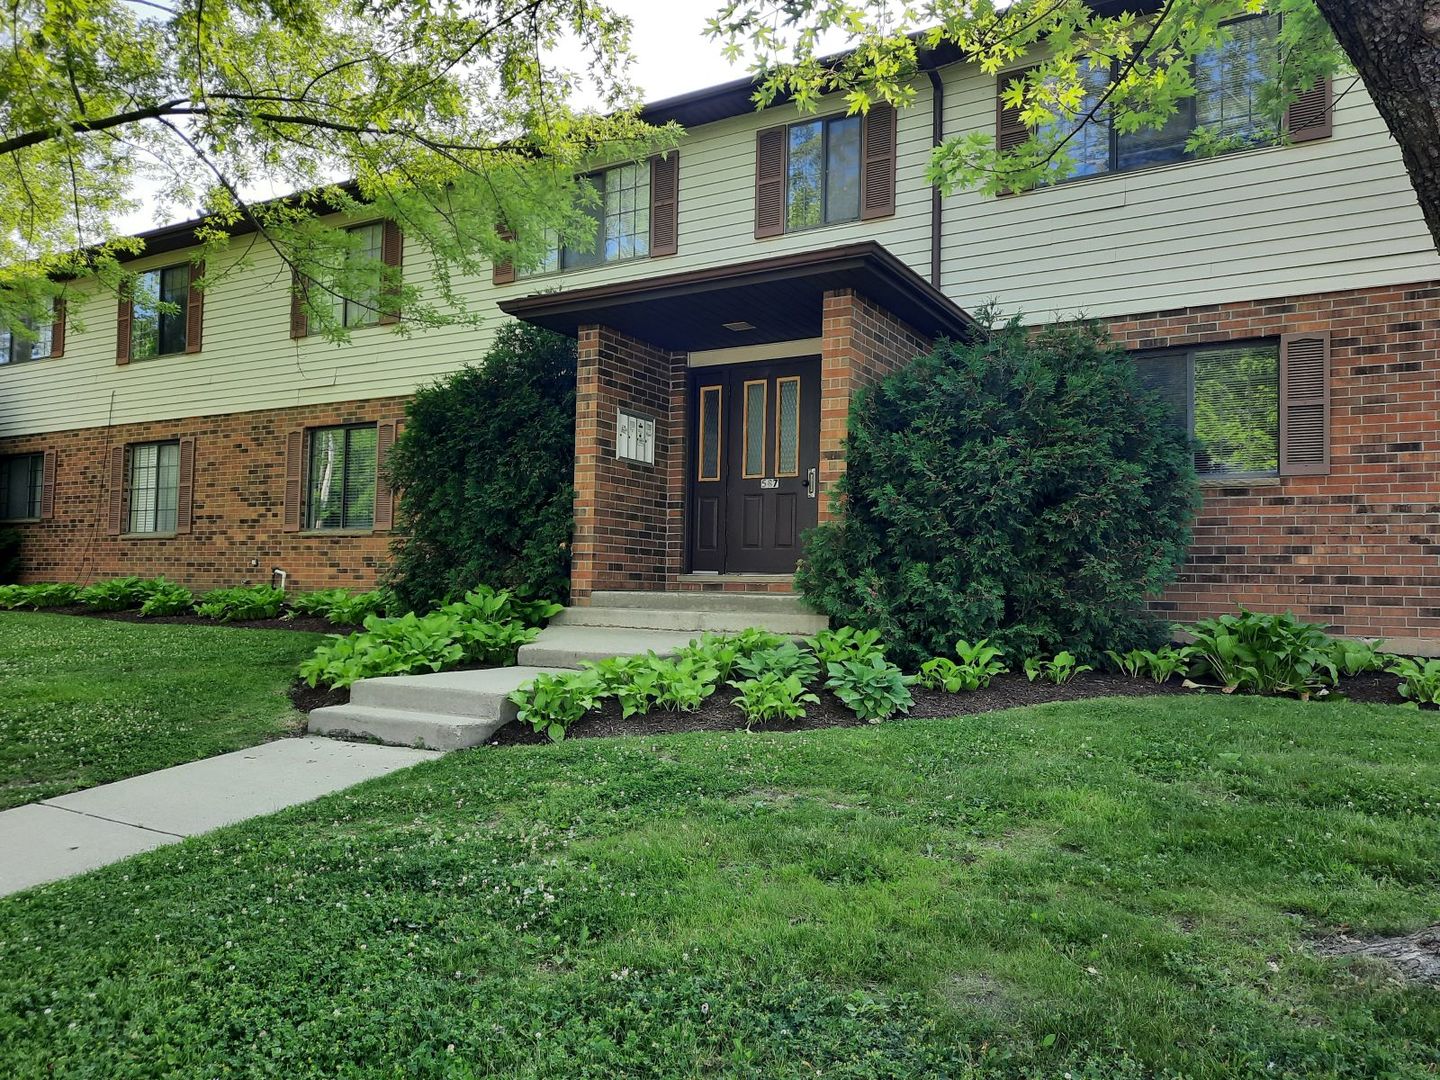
x=342, y=478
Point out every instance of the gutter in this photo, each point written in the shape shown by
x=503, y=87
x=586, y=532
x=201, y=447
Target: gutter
x=937, y=136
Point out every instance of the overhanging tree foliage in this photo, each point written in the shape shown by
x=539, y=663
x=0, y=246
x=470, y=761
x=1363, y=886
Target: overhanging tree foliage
x=1132, y=64
x=447, y=119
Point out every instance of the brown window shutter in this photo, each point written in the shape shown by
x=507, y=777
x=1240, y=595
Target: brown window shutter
x=392, y=253
x=503, y=271
x=299, y=317
x=194, y=310
x=57, y=329
x=1310, y=116
x=1010, y=130
x=665, y=204
x=47, y=486
x=384, y=493
x=123, y=319
x=877, y=171
x=185, y=487
x=119, y=509
x=770, y=182
x=294, y=480
x=1305, y=404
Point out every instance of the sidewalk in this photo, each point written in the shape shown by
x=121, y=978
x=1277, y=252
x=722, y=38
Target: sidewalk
x=70, y=834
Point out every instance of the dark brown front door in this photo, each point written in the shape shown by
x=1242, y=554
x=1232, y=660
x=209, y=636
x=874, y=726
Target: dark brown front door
x=754, y=455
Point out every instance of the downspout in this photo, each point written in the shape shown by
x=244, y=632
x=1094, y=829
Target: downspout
x=937, y=136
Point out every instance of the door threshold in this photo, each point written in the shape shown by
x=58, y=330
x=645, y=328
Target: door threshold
x=691, y=579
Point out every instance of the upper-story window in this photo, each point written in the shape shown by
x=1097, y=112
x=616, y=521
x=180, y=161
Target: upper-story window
x=1227, y=399
x=1229, y=80
x=34, y=343
x=159, y=305
x=621, y=216
x=364, y=308
x=822, y=172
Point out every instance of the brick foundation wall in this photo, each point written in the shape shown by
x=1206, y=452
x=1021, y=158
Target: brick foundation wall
x=236, y=535
x=1359, y=548
x=629, y=517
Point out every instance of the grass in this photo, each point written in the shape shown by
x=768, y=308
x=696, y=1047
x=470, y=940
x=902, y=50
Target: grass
x=87, y=701
x=1109, y=888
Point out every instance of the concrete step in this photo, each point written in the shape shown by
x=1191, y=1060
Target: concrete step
x=567, y=646
x=726, y=602
x=400, y=727
x=776, y=621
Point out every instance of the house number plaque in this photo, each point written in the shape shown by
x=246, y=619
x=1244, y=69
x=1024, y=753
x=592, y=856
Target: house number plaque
x=769, y=482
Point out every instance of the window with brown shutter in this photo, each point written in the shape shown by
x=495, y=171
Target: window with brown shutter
x=119, y=508
x=124, y=317
x=770, y=182
x=1010, y=130
x=502, y=271
x=877, y=174
x=299, y=316
x=185, y=487
x=384, y=493
x=392, y=254
x=294, y=480
x=194, y=310
x=47, y=487
x=665, y=203
x=1305, y=404
x=1310, y=116
x=57, y=328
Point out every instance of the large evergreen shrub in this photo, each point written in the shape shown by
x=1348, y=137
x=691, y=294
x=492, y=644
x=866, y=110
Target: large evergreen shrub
x=485, y=466
x=1024, y=488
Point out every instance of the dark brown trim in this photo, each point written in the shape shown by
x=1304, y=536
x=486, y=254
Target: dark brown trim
x=937, y=136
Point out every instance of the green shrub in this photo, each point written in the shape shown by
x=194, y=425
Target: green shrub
x=724, y=651
x=1158, y=665
x=9, y=556
x=492, y=642
x=1023, y=489
x=491, y=605
x=485, y=466
x=402, y=646
x=45, y=595
x=553, y=703
x=846, y=643
x=771, y=696
x=873, y=688
x=646, y=681
x=341, y=607
x=979, y=663
x=119, y=594
x=167, y=598
x=786, y=659
x=1265, y=654
x=1419, y=679
x=317, y=603
x=1059, y=669
x=1353, y=658
x=241, y=603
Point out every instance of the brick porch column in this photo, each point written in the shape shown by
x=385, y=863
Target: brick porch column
x=629, y=526
x=861, y=344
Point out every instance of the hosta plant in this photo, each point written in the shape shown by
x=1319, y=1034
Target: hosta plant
x=492, y=642
x=317, y=603
x=406, y=645
x=1353, y=657
x=1265, y=654
x=1158, y=665
x=1058, y=669
x=1419, y=679
x=485, y=604
x=167, y=598
x=553, y=703
x=771, y=696
x=786, y=659
x=873, y=688
x=846, y=643
x=978, y=664
x=118, y=594
x=40, y=595
x=241, y=603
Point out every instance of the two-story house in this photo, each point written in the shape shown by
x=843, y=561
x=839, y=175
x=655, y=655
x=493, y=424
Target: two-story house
x=1286, y=297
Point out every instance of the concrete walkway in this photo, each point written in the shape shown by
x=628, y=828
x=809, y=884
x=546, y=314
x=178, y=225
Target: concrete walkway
x=70, y=834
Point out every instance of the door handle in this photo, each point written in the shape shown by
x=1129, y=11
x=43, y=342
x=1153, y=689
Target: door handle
x=812, y=483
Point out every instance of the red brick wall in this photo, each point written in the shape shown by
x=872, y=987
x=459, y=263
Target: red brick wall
x=238, y=502
x=1359, y=548
x=629, y=517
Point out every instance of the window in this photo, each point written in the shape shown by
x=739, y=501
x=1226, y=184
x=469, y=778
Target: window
x=21, y=479
x=368, y=249
x=154, y=487
x=621, y=216
x=342, y=478
x=153, y=331
x=32, y=344
x=1227, y=399
x=1226, y=104
x=822, y=172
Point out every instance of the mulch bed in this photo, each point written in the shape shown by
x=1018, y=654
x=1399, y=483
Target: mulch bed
x=313, y=623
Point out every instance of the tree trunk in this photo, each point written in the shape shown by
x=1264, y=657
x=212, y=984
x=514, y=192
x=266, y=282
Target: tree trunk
x=1395, y=47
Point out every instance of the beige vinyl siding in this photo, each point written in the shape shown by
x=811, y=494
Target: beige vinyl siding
x=1336, y=213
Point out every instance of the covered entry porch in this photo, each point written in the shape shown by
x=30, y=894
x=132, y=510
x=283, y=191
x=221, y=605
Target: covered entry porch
x=712, y=409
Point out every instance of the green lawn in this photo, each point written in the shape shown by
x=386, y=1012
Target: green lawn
x=1096, y=889
x=86, y=701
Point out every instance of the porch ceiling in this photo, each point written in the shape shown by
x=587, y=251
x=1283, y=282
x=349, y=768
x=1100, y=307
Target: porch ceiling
x=782, y=297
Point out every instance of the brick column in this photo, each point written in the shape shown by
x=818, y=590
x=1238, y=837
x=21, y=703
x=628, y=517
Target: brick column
x=629, y=526
x=862, y=344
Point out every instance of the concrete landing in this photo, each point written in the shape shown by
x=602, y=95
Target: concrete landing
x=69, y=834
